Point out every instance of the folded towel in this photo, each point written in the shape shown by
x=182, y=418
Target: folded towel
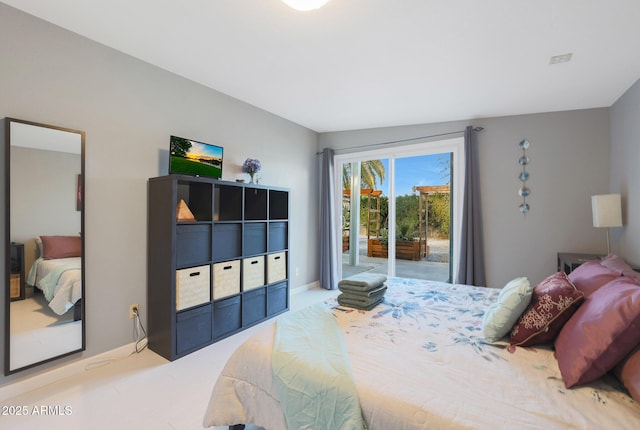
x=361, y=300
x=364, y=281
x=356, y=292
x=356, y=305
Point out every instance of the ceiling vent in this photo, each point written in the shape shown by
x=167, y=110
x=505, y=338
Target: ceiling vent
x=557, y=59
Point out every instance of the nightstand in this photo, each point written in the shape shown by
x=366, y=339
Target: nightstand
x=17, y=291
x=568, y=261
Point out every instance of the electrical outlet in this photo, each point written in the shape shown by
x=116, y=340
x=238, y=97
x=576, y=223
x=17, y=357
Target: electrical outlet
x=132, y=314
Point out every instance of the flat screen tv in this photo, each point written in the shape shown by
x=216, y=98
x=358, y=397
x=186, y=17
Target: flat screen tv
x=190, y=157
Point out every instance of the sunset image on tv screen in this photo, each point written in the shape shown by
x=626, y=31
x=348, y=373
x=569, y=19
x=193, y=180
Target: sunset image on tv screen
x=190, y=157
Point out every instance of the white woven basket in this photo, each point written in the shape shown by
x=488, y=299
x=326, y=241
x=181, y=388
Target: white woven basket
x=226, y=279
x=192, y=287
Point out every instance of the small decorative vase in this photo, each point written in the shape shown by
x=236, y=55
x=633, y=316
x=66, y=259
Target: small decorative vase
x=251, y=176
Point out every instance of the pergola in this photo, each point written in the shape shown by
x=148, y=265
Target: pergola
x=423, y=206
x=373, y=212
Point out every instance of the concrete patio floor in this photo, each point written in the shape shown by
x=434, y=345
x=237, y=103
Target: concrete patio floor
x=424, y=269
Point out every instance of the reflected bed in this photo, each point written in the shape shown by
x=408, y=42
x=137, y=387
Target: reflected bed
x=57, y=272
x=60, y=280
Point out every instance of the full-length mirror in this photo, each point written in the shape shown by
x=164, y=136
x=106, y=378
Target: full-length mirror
x=45, y=288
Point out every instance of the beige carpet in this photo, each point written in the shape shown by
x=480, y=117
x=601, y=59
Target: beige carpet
x=37, y=333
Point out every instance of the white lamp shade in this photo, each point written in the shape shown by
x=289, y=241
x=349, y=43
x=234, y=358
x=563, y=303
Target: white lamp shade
x=305, y=5
x=607, y=210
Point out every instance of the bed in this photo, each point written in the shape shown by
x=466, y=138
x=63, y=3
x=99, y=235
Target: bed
x=419, y=360
x=57, y=272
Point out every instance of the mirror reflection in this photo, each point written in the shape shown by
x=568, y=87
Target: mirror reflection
x=45, y=222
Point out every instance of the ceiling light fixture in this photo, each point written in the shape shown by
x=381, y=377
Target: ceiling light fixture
x=305, y=5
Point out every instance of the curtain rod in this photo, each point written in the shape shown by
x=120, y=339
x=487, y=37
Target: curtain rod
x=405, y=140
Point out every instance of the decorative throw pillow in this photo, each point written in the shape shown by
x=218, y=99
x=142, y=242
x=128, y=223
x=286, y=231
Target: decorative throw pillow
x=501, y=315
x=613, y=262
x=592, y=275
x=554, y=301
x=61, y=247
x=601, y=333
x=628, y=372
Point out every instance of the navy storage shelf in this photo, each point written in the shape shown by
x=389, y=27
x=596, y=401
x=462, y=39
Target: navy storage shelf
x=233, y=222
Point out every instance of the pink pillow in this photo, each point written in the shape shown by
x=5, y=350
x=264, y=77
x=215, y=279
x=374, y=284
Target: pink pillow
x=591, y=275
x=613, y=262
x=628, y=372
x=554, y=301
x=61, y=247
x=602, y=332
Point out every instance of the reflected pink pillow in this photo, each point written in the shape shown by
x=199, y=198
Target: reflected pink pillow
x=628, y=372
x=61, y=247
x=613, y=262
x=590, y=276
x=604, y=330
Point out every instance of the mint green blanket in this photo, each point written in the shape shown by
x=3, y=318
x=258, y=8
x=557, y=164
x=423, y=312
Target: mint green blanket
x=312, y=374
x=48, y=283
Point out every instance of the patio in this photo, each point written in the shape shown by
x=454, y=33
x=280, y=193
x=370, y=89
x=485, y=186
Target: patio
x=431, y=268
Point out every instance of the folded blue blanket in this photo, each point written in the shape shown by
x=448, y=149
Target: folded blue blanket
x=361, y=300
x=363, y=281
x=350, y=303
x=357, y=292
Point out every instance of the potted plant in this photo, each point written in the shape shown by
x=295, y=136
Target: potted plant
x=377, y=247
x=251, y=166
x=346, y=215
x=407, y=247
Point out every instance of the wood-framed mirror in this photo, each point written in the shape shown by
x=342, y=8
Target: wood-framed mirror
x=45, y=289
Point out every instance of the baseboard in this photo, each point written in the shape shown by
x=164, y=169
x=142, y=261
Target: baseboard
x=31, y=383
x=306, y=287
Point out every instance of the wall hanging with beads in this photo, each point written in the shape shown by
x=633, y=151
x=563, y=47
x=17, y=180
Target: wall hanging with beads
x=524, y=191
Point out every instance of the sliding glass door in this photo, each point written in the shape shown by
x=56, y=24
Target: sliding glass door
x=364, y=225
x=398, y=210
x=423, y=216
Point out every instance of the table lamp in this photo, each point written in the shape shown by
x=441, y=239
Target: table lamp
x=607, y=213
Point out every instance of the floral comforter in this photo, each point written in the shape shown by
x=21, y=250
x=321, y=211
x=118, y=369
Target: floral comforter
x=419, y=361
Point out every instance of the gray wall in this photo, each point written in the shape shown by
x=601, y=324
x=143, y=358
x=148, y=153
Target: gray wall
x=569, y=162
x=52, y=76
x=128, y=110
x=625, y=179
x=42, y=182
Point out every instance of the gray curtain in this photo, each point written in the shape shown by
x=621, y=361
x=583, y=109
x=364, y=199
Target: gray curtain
x=471, y=261
x=328, y=246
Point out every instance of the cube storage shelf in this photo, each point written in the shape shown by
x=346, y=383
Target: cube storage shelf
x=220, y=272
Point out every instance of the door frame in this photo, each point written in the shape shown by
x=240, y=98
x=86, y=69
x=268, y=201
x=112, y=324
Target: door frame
x=455, y=146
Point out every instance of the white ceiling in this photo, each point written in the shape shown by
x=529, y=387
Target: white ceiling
x=372, y=63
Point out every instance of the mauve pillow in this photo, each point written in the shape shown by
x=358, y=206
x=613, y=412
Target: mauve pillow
x=601, y=333
x=61, y=247
x=613, y=262
x=591, y=275
x=554, y=301
x=628, y=372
